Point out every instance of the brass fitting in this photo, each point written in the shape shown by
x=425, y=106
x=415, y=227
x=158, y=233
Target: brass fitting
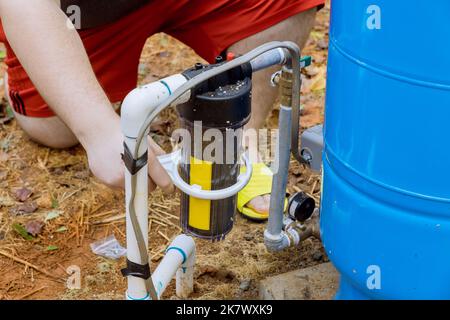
x=285, y=84
x=303, y=231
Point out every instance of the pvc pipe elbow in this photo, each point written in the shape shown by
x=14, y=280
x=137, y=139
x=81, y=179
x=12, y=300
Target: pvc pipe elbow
x=277, y=242
x=140, y=102
x=185, y=245
x=284, y=239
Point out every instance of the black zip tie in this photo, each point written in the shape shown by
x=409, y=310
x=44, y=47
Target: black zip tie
x=136, y=270
x=133, y=165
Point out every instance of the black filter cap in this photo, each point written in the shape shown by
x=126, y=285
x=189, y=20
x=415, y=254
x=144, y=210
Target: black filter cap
x=301, y=206
x=224, y=101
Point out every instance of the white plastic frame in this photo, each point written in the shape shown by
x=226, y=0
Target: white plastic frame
x=170, y=163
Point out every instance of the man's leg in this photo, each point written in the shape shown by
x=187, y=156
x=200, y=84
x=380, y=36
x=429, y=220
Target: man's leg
x=296, y=29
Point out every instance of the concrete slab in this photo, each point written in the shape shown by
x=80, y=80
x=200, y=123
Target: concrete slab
x=313, y=283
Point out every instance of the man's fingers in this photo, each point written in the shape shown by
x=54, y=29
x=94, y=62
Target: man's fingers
x=158, y=174
x=155, y=170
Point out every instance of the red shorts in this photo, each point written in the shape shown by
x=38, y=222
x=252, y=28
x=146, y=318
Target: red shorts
x=209, y=27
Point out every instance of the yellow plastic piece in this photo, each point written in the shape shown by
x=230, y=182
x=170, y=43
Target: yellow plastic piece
x=199, y=209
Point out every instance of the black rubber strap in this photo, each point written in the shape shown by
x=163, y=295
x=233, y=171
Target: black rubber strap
x=132, y=164
x=136, y=270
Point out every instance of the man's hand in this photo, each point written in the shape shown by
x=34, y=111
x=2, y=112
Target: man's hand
x=104, y=155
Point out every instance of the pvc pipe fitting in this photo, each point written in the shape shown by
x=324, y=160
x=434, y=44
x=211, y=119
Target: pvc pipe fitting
x=179, y=260
x=143, y=100
x=277, y=242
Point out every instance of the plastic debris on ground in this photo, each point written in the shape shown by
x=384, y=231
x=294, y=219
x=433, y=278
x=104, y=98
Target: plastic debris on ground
x=109, y=248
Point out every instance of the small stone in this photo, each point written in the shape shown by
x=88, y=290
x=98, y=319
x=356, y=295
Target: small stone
x=245, y=285
x=317, y=256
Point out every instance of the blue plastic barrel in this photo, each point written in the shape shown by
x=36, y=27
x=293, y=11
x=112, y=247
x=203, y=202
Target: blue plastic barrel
x=385, y=211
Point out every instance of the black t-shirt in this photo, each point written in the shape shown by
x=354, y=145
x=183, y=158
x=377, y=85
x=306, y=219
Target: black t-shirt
x=95, y=13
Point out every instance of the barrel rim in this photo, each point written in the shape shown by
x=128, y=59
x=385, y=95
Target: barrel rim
x=383, y=72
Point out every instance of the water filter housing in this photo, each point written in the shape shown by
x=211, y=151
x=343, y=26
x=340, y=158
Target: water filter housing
x=214, y=119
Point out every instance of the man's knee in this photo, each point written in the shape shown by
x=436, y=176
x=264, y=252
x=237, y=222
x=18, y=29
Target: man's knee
x=50, y=132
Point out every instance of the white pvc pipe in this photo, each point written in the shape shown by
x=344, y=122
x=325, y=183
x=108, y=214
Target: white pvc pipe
x=143, y=100
x=179, y=260
x=135, y=107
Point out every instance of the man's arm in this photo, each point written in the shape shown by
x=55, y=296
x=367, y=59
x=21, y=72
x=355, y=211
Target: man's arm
x=57, y=63
x=55, y=60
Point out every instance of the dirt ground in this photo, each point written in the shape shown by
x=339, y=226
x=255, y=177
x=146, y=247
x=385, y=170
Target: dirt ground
x=51, y=193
